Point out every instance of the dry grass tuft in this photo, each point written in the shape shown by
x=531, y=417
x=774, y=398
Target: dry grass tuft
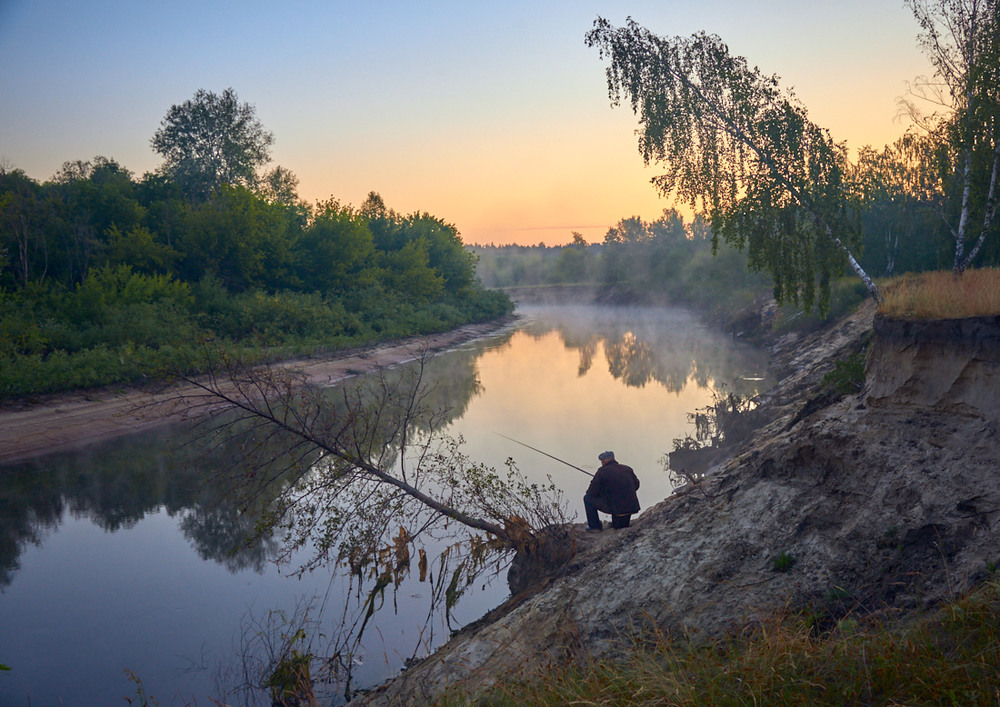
x=948, y=657
x=939, y=295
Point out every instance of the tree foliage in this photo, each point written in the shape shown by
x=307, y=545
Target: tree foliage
x=264, y=272
x=210, y=140
x=962, y=40
x=738, y=148
x=895, y=190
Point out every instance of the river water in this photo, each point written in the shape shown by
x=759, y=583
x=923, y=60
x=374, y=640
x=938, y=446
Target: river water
x=119, y=567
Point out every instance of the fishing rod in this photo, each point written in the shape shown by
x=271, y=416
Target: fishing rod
x=546, y=454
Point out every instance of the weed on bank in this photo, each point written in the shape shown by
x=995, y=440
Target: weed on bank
x=950, y=656
x=942, y=295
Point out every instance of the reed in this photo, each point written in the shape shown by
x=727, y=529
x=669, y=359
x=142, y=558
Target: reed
x=940, y=295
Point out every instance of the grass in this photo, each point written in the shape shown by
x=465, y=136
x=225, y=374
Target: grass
x=948, y=657
x=939, y=295
x=783, y=562
x=848, y=375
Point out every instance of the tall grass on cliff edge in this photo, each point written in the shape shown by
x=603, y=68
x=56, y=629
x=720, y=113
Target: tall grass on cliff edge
x=949, y=657
x=940, y=295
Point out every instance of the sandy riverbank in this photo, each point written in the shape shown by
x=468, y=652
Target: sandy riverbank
x=65, y=422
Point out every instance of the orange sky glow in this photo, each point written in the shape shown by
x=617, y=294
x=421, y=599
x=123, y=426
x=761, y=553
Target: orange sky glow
x=492, y=117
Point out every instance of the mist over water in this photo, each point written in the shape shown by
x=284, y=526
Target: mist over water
x=125, y=555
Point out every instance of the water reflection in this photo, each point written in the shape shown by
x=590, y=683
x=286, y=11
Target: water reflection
x=572, y=381
x=186, y=471
x=115, y=486
x=650, y=345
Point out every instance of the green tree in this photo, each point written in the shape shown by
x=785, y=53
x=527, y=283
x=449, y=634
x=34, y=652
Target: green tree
x=628, y=231
x=740, y=149
x=94, y=196
x=408, y=271
x=336, y=252
x=238, y=237
x=280, y=185
x=211, y=140
x=25, y=217
x=139, y=249
x=895, y=190
x=573, y=265
x=383, y=222
x=445, y=251
x=962, y=40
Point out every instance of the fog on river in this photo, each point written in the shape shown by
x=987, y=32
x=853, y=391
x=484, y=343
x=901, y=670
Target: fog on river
x=124, y=556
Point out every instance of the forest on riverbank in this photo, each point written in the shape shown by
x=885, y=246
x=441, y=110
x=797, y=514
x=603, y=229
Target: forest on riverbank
x=106, y=277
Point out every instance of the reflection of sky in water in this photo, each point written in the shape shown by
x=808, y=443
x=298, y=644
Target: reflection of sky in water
x=552, y=386
x=87, y=602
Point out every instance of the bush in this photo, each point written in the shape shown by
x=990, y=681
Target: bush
x=124, y=327
x=847, y=376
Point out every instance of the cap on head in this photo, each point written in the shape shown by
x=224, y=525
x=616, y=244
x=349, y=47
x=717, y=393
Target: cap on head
x=604, y=456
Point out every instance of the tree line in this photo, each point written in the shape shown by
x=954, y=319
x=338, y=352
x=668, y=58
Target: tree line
x=108, y=277
x=666, y=260
x=741, y=151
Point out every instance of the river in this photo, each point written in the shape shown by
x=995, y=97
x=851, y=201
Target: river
x=120, y=570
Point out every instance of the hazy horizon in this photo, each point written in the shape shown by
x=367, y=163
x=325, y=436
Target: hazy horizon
x=494, y=118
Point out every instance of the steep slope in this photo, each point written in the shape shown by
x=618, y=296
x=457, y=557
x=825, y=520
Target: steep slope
x=881, y=501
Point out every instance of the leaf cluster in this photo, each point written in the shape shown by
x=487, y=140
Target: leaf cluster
x=211, y=140
x=739, y=149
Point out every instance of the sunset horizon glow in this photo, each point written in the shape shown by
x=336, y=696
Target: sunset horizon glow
x=493, y=118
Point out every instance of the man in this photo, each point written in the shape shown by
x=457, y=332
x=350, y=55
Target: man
x=611, y=491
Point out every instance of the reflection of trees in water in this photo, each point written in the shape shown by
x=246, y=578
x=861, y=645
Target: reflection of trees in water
x=27, y=514
x=587, y=352
x=113, y=485
x=217, y=533
x=380, y=465
x=118, y=483
x=452, y=381
x=647, y=345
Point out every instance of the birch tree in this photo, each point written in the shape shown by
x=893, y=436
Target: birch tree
x=962, y=41
x=741, y=150
x=361, y=473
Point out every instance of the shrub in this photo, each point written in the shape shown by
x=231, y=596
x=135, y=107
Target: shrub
x=847, y=376
x=783, y=562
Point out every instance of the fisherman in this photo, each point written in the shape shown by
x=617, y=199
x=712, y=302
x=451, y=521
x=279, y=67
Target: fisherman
x=611, y=491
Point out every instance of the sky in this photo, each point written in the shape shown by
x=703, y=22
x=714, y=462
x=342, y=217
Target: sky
x=493, y=116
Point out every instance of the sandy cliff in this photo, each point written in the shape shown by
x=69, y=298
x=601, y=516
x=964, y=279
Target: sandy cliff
x=886, y=499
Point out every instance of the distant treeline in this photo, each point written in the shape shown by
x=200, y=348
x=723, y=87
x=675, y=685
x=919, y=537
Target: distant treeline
x=663, y=261
x=670, y=260
x=106, y=278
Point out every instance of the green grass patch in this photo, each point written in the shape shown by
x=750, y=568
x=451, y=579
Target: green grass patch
x=848, y=375
x=51, y=343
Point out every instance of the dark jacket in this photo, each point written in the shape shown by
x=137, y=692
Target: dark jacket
x=616, y=484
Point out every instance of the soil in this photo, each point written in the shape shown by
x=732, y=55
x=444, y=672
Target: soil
x=875, y=503
x=65, y=422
